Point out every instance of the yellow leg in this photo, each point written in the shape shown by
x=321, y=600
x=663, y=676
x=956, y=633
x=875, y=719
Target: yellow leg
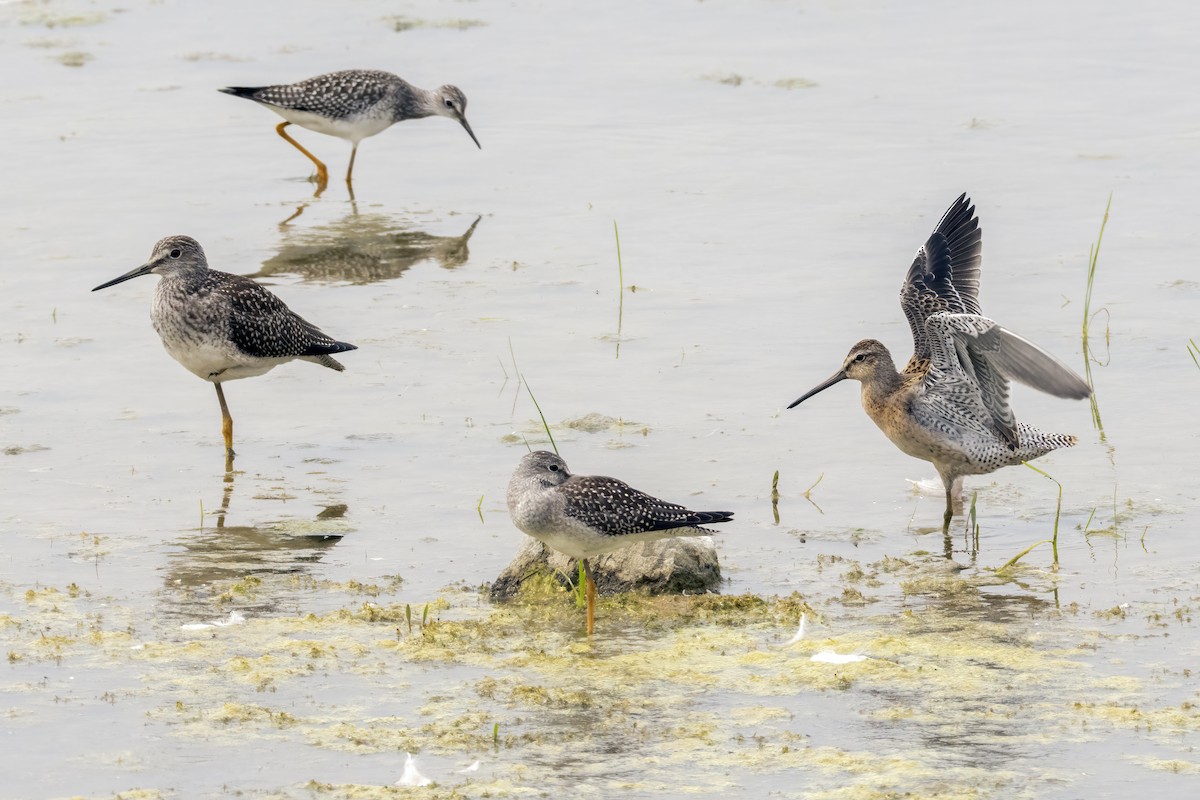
x=350, y=169
x=322, y=172
x=591, y=597
x=226, y=427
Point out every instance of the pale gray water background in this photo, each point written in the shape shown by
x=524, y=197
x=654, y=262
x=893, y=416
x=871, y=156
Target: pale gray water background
x=766, y=224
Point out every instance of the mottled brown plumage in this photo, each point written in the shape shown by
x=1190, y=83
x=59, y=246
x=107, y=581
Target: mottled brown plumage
x=950, y=404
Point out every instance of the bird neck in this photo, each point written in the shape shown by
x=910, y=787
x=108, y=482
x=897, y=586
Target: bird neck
x=880, y=385
x=421, y=103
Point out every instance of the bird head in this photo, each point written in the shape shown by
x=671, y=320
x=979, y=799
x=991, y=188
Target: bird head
x=862, y=363
x=449, y=101
x=170, y=256
x=544, y=467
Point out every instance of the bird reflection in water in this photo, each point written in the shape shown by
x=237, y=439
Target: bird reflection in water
x=207, y=561
x=364, y=249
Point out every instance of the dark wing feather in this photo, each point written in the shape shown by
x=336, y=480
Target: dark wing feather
x=944, y=276
x=337, y=94
x=615, y=508
x=262, y=325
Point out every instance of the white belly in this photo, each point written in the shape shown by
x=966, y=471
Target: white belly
x=355, y=129
x=580, y=541
x=218, y=364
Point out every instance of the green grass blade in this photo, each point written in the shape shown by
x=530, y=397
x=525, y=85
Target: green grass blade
x=1057, y=510
x=775, y=497
x=1022, y=554
x=545, y=424
x=1088, y=316
x=620, y=288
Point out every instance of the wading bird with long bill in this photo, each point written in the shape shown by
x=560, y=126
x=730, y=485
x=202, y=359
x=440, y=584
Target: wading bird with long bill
x=950, y=404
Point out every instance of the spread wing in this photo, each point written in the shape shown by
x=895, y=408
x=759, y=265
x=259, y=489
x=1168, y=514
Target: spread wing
x=616, y=508
x=973, y=359
x=944, y=276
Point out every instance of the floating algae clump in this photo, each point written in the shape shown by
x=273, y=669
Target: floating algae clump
x=674, y=695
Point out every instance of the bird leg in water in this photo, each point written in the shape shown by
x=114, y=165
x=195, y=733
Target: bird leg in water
x=295, y=214
x=350, y=169
x=227, y=495
x=590, y=590
x=322, y=172
x=954, y=490
x=226, y=427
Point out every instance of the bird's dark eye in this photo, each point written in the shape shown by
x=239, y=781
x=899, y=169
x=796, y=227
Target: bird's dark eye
x=553, y=467
x=449, y=103
x=861, y=357
x=176, y=253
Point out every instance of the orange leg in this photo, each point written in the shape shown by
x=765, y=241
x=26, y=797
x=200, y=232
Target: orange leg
x=350, y=169
x=591, y=597
x=322, y=172
x=226, y=427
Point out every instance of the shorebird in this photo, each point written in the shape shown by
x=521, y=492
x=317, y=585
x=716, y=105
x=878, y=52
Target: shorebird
x=589, y=515
x=222, y=327
x=353, y=104
x=950, y=404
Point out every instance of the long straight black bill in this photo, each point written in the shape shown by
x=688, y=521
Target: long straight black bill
x=144, y=269
x=470, y=132
x=837, y=377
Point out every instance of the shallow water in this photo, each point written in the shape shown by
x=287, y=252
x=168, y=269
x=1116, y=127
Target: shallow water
x=772, y=167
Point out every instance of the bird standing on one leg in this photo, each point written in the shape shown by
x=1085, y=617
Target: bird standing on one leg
x=589, y=515
x=353, y=104
x=950, y=404
x=222, y=327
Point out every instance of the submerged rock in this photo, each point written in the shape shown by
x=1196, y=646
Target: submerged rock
x=667, y=566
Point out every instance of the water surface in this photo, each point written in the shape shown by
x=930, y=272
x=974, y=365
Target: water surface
x=772, y=167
